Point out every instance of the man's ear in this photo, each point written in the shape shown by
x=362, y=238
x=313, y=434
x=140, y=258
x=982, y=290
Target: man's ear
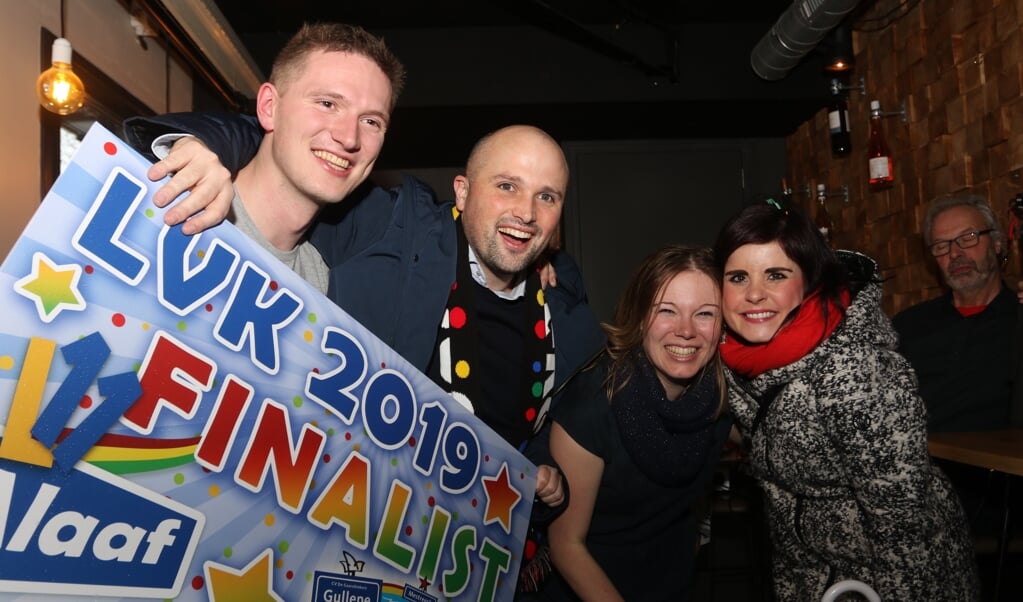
x=461, y=187
x=267, y=99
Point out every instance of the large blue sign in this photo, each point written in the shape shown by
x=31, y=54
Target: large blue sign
x=184, y=417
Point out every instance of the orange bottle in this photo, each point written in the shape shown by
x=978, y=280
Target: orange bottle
x=881, y=173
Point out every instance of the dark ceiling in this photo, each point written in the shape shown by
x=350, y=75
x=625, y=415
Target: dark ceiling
x=275, y=16
x=581, y=69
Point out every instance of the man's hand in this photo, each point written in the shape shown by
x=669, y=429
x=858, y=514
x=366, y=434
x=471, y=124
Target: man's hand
x=549, y=487
x=198, y=171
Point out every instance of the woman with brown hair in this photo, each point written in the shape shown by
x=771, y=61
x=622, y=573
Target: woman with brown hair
x=638, y=433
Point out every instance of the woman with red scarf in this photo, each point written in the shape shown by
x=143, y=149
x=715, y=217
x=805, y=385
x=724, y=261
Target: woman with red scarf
x=835, y=428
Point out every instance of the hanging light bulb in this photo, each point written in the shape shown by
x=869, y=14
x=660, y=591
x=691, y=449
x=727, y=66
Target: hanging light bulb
x=58, y=88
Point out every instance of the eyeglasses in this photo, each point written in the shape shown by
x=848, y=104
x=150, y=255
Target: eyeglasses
x=963, y=241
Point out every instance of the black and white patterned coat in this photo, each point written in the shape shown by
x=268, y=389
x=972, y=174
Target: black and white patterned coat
x=841, y=454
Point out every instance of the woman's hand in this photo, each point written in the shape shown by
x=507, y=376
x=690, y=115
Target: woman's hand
x=549, y=486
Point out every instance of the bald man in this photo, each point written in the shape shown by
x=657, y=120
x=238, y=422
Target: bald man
x=509, y=203
x=511, y=198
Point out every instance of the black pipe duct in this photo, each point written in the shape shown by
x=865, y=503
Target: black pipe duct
x=796, y=32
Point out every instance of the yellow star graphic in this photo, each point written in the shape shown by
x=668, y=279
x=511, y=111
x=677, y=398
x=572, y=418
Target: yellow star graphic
x=53, y=288
x=501, y=498
x=254, y=583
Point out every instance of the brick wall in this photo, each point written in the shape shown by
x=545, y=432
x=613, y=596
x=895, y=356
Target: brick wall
x=957, y=66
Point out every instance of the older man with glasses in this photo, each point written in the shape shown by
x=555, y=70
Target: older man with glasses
x=961, y=344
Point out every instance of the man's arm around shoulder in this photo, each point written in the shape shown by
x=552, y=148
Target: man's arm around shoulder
x=234, y=138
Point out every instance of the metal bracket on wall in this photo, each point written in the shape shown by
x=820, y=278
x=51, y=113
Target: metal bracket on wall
x=901, y=113
x=787, y=191
x=824, y=194
x=836, y=86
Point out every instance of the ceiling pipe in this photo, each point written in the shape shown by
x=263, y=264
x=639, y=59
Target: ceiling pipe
x=796, y=32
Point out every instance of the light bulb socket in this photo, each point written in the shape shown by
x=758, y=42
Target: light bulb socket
x=61, y=51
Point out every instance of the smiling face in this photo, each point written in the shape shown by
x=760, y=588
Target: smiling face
x=761, y=288
x=326, y=123
x=972, y=269
x=511, y=199
x=683, y=330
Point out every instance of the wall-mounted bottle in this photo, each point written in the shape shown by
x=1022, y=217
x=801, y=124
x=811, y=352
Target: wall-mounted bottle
x=881, y=173
x=838, y=124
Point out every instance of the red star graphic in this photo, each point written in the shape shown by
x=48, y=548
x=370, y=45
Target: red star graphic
x=501, y=498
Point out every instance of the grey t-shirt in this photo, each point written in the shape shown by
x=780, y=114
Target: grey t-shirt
x=304, y=259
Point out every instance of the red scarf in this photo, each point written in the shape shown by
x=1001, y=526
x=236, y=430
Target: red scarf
x=793, y=341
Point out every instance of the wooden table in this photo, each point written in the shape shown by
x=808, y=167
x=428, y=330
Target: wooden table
x=994, y=450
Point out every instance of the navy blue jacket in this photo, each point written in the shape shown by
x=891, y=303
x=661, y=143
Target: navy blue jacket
x=391, y=253
x=964, y=363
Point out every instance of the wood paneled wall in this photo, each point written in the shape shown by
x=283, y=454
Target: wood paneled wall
x=958, y=66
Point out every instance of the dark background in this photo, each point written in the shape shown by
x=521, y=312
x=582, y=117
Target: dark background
x=666, y=128
x=581, y=69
